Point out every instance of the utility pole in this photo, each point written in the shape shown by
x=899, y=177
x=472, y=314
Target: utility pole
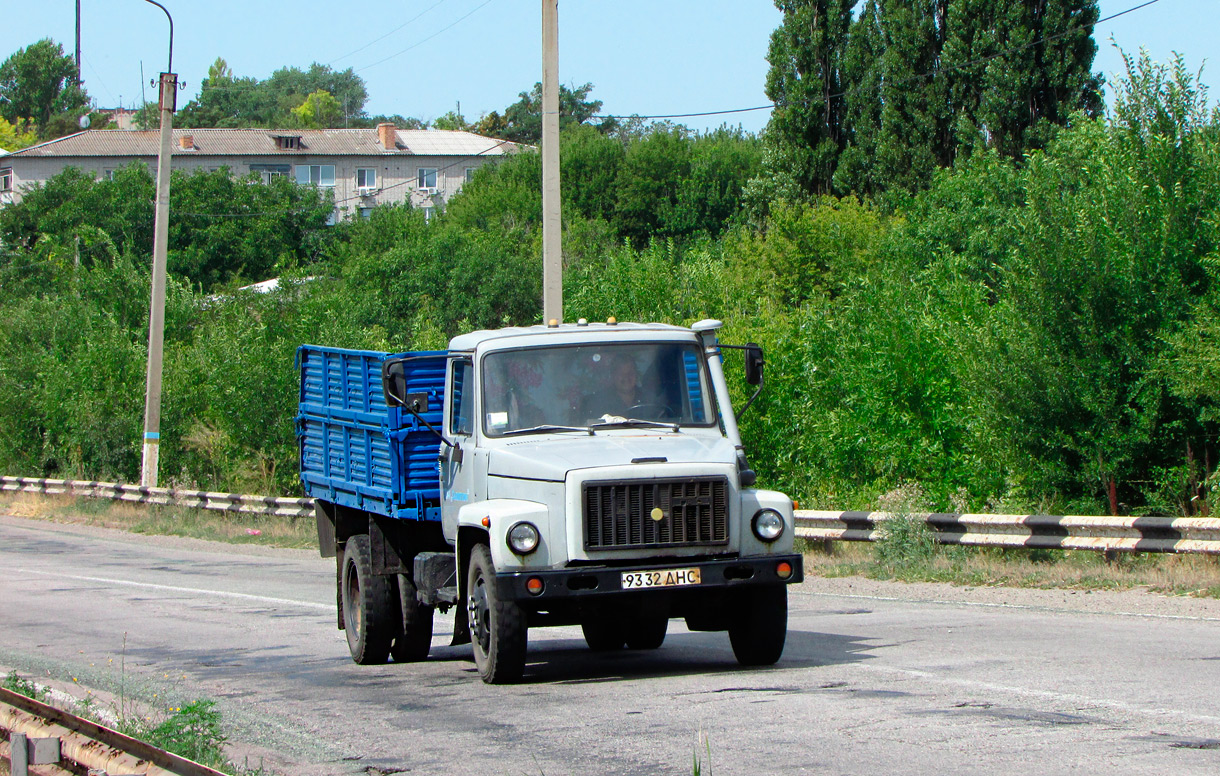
x=552, y=253
x=78, y=81
x=167, y=102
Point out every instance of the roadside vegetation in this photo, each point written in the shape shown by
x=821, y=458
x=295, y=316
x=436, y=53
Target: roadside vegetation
x=194, y=730
x=1031, y=325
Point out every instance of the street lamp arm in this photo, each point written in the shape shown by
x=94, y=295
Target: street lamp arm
x=170, y=68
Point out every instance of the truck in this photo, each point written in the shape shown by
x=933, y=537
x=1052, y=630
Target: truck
x=587, y=474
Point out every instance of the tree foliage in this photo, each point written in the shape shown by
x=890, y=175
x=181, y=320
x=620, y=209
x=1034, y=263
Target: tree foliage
x=882, y=101
x=37, y=84
x=316, y=98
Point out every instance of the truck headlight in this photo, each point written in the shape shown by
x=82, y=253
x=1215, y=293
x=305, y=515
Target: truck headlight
x=522, y=538
x=768, y=525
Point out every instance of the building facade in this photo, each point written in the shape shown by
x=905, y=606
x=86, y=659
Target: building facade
x=363, y=167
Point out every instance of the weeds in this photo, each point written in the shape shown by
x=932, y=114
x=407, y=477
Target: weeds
x=24, y=687
x=194, y=731
x=906, y=545
x=156, y=520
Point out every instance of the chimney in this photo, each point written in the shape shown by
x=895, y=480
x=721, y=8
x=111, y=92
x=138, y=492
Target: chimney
x=387, y=136
x=187, y=142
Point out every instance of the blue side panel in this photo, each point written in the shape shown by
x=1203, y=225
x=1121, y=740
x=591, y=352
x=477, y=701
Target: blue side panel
x=356, y=451
x=690, y=365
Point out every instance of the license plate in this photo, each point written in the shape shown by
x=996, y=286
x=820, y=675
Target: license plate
x=633, y=580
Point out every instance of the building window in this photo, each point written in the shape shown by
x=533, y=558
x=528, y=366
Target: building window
x=6, y=179
x=365, y=213
x=427, y=177
x=428, y=213
x=316, y=174
x=268, y=171
x=470, y=173
x=108, y=174
x=288, y=142
x=366, y=177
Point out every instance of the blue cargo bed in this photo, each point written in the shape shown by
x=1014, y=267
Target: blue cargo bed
x=356, y=451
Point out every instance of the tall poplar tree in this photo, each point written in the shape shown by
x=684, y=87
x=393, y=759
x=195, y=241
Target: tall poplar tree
x=805, y=134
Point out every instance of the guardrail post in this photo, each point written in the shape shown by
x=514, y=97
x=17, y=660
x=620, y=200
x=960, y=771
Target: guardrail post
x=19, y=755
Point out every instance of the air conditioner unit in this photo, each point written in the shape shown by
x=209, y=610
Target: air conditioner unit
x=366, y=191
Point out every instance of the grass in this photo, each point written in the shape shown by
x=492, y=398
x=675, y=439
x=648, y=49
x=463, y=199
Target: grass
x=194, y=731
x=152, y=519
x=1196, y=575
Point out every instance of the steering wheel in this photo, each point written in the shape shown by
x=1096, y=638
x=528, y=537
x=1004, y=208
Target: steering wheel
x=648, y=410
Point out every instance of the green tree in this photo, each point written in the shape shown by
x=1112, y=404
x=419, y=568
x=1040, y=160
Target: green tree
x=228, y=101
x=805, y=81
x=453, y=120
x=13, y=138
x=522, y=121
x=38, y=82
x=319, y=110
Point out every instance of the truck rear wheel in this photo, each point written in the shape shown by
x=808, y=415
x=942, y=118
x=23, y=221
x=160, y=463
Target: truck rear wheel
x=759, y=626
x=369, y=613
x=603, y=633
x=647, y=631
x=414, y=639
x=497, y=628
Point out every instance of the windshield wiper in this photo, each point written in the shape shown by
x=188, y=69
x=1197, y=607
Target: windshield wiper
x=635, y=423
x=546, y=427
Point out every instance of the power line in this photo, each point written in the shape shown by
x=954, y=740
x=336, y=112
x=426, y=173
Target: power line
x=388, y=34
x=430, y=37
x=908, y=79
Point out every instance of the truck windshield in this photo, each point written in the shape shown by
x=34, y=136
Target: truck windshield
x=573, y=387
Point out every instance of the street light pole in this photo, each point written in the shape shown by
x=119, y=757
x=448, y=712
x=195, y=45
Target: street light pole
x=167, y=102
x=552, y=252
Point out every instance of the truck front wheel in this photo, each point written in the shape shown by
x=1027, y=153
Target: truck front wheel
x=497, y=628
x=369, y=612
x=759, y=625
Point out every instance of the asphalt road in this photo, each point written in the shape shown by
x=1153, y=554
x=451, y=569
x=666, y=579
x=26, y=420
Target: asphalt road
x=876, y=678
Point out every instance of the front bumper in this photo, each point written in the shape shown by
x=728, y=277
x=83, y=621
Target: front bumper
x=603, y=581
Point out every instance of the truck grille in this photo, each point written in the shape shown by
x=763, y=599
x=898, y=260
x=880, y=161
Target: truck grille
x=618, y=515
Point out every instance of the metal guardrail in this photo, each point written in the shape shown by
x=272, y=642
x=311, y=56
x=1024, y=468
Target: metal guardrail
x=195, y=499
x=1070, y=532
x=42, y=738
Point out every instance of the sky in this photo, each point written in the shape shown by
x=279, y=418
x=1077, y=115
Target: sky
x=423, y=58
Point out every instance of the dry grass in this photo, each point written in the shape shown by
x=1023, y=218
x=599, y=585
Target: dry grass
x=1197, y=575
x=232, y=527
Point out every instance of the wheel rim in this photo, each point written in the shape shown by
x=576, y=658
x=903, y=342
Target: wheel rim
x=353, y=598
x=478, y=610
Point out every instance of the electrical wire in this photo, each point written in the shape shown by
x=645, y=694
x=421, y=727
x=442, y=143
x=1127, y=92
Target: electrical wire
x=430, y=37
x=388, y=34
x=908, y=79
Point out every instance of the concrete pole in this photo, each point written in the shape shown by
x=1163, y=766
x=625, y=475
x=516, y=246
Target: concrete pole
x=552, y=251
x=156, y=316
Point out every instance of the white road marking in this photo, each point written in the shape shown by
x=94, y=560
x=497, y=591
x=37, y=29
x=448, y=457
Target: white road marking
x=1064, y=699
x=190, y=590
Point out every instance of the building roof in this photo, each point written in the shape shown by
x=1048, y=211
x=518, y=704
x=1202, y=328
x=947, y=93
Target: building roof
x=262, y=142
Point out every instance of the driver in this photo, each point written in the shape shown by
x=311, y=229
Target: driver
x=623, y=391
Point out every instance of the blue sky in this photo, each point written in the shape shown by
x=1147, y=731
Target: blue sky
x=645, y=57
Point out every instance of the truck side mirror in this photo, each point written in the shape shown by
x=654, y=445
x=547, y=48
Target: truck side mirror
x=754, y=364
x=394, y=386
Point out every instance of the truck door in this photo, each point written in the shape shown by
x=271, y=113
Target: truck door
x=458, y=462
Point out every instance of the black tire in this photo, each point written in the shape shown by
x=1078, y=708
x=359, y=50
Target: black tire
x=414, y=636
x=497, y=628
x=370, y=614
x=603, y=632
x=647, y=631
x=758, y=628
